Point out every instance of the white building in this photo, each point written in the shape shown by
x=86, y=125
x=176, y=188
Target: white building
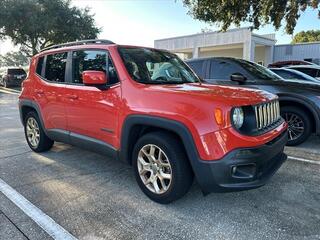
x=239, y=43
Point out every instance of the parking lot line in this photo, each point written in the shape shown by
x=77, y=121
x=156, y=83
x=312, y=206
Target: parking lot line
x=10, y=90
x=40, y=218
x=304, y=160
x=3, y=90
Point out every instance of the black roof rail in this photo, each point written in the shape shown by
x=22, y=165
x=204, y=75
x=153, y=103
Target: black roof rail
x=82, y=42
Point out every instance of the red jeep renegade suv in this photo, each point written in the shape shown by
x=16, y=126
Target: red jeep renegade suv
x=147, y=107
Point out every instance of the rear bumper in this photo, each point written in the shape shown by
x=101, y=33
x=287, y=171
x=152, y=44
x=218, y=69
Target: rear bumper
x=243, y=168
x=14, y=82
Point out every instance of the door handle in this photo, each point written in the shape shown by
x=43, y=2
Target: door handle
x=39, y=91
x=72, y=96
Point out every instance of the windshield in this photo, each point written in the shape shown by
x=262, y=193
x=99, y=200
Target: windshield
x=293, y=75
x=259, y=72
x=156, y=67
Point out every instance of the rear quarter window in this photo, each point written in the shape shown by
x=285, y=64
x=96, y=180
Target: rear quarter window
x=39, y=66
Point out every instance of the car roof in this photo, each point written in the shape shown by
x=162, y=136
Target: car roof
x=304, y=66
x=290, y=61
x=89, y=45
x=289, y=70
x=218, y=58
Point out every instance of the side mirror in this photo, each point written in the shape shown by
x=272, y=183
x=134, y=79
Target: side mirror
x=238, y=77
x=94, y=78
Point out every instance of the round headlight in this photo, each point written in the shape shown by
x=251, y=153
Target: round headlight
x=238, y=117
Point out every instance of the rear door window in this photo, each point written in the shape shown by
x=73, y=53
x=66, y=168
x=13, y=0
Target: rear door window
x=56, y=67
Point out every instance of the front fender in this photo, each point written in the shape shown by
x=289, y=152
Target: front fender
x=152, y=121
x=304, y=101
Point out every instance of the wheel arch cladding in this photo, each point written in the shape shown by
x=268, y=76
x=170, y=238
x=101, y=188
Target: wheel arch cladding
x=28, y=105
x=135, y=126
x=312, y=113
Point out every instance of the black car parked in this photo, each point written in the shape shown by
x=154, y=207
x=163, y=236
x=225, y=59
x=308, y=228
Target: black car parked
x=300, y=100
x=10, y=77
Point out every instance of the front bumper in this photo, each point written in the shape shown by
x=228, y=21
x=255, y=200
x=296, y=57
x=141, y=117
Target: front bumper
x=243, y=168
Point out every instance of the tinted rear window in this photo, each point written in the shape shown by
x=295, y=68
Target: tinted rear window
x=56, y=67
x=16, y=71
x=310, y=71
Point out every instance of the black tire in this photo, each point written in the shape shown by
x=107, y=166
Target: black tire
x=45, y=143
x=181, y=172
x=304, y=120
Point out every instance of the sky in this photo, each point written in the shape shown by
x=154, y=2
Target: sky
x=140, y=22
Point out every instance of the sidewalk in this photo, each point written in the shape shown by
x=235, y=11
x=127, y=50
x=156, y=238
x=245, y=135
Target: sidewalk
x=15, y=224
x=8, y=229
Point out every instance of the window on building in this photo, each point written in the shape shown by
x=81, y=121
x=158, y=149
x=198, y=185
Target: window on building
x=56, y=67
x=289, y=50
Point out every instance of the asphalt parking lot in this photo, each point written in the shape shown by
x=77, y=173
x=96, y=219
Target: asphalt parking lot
x=92, y=197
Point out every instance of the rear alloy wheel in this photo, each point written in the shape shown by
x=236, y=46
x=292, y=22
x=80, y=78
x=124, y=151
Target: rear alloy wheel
x=35, y=135
x=299, y=125
x=33, y=132
x=161, y=167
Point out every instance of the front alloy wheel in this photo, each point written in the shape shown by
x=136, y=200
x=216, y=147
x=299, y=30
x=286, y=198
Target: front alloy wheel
x=154, y=168
x=295, y=126
x=161, y=167
x=299, y=124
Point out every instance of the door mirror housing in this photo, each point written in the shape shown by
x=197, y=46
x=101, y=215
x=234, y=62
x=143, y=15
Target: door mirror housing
x=94, y=78
x=238, y=77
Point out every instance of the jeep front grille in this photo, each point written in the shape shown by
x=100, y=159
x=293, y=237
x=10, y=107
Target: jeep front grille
x=267, y=114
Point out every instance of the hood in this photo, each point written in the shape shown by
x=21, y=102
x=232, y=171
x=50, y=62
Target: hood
x=234, y=96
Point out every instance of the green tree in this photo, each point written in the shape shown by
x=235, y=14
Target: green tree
x=308, y=36
x=256, y=12
x=14, y=59
x=36, y=24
